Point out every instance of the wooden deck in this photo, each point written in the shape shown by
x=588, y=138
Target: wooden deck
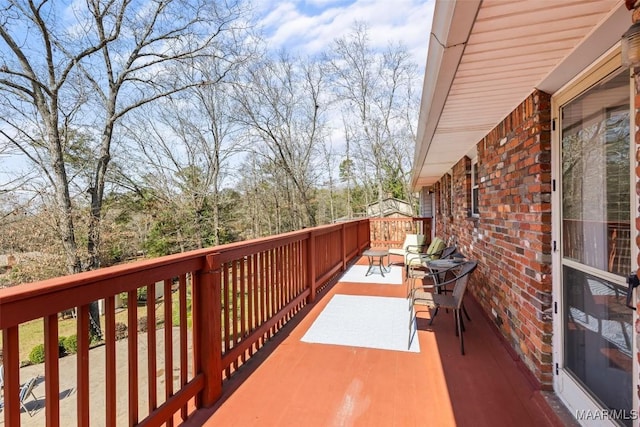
x=294, y=383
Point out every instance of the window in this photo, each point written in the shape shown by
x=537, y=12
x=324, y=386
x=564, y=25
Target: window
x=443, y=196
x=446, y=195
x=475, y=188
x=452, y=195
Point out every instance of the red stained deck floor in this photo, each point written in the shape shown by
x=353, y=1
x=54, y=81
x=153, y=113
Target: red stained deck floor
x=294, y=383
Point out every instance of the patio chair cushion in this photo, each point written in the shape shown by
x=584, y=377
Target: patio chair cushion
x=433, y=252
x=411, y=242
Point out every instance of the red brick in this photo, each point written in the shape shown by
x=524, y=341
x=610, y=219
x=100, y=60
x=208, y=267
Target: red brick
x=515, y=225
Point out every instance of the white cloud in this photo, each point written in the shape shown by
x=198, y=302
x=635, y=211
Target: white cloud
x=310, y=27
x=321, y=3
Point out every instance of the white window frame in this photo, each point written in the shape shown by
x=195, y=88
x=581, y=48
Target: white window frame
x=475, y=186
x=446, y=191
x=451, y=198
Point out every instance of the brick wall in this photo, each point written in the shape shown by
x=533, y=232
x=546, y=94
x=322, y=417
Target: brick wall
x=511, y=237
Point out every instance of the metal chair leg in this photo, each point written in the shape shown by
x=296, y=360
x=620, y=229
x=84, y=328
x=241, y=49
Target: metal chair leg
x=27, y=410
x=410, y=285
x=456, y=322
x=411, y=322
x=434, y=316
x=459, y=316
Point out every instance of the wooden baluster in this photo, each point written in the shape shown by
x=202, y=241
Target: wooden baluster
x=11, y=362
x=343, y=241
x=301, y=267
x=278, y=284
x=82, y=365
x=168, y=344
x=268, y=287
x=226, y=312
x=234, y=303
x=51, y=370
x=263, y=291
x=289, y=266
x=152, y=383
x=251, y=294
x=243, y=299
x=132, y=347
x=110, y=361
x=184, y=366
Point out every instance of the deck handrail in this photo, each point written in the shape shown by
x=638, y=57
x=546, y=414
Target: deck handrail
x=242, y=294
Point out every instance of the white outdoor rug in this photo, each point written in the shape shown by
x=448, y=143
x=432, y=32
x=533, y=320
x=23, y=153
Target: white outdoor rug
x=364, y=321
x=357, y=274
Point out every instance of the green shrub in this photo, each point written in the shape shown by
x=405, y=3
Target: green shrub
x=124, y=296
x=37, y=354
x=141, y=295
x=94, y=340
x=71, y=344
x=62, y=351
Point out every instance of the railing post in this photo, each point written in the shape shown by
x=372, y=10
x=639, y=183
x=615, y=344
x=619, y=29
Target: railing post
x=311, y=263
x=207, y=293
x=10, y=352
x=343, y=239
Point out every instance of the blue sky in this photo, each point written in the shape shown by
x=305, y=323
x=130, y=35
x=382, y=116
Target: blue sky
x=309, y=26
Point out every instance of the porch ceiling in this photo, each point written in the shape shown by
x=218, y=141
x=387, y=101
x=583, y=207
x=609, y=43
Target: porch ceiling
x=486, y=57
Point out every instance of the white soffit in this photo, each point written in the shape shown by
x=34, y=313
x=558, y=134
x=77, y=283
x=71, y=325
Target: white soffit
x=512, y=48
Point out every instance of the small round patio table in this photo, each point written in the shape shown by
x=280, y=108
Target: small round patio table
x=376, y=259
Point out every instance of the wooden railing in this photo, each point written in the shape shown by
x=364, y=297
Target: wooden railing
x=390, y=232
x=241, y=295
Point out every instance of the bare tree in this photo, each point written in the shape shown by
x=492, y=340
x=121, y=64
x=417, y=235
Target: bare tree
x=329, y=158
x=86, y=66
x=266, y=206
x=186, y=143
x=282, y=106
x=375, y=88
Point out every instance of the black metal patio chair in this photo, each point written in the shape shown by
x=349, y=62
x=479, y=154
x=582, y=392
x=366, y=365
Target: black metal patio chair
x=426, y=297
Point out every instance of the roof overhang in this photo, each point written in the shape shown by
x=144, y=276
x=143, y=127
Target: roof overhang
x=486, y=57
